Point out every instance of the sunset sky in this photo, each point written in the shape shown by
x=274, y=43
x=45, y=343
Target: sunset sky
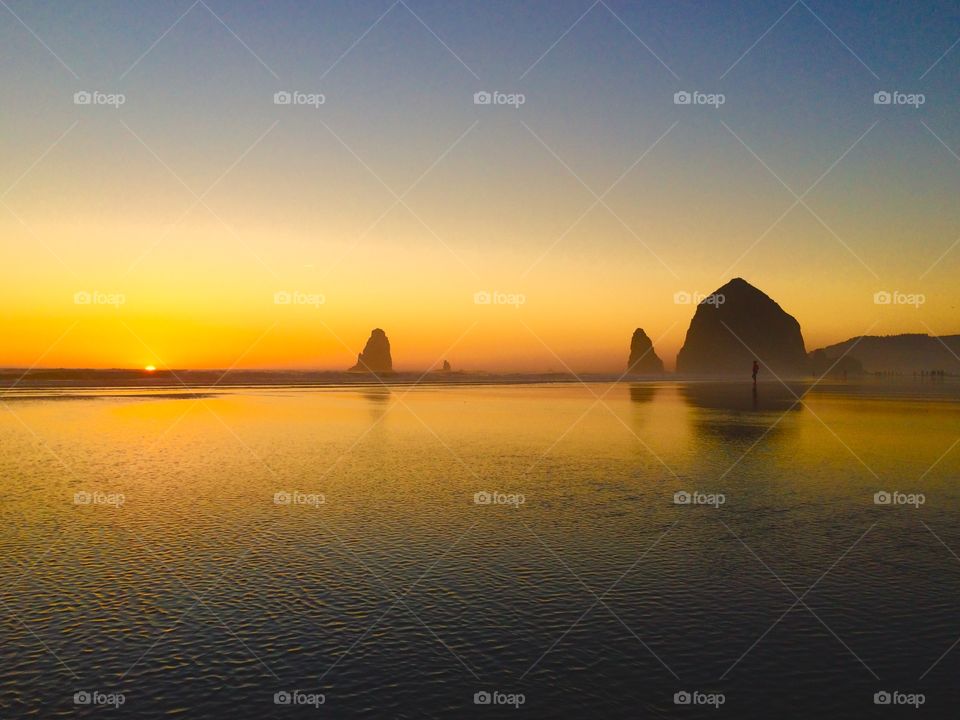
x=185, y=210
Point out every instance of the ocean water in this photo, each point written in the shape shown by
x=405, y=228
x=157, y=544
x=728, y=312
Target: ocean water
x=407, y=552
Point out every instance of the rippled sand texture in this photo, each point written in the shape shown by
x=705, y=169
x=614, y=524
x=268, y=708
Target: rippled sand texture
x=400, y=597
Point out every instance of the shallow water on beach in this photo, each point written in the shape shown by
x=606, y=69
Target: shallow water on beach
x=200, y=552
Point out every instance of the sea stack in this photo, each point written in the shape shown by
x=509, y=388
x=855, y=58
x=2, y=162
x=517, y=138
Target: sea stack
x=643, y=360
x=736, y=325
x=375, y=357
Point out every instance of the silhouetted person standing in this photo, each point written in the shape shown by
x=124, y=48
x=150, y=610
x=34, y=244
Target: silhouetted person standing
x=756, y=369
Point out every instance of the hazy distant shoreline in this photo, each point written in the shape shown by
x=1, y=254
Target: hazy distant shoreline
x=179, y=379
x=15, y=382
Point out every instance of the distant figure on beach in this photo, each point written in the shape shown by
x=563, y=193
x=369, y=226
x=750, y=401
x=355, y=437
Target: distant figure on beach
x=756, y=369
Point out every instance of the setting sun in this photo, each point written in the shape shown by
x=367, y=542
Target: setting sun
x=150, y=368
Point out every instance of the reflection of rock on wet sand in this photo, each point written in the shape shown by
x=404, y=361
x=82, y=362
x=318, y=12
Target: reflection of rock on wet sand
x=642, y=393
x=735, y=411
x=379, y=400
x=378, y=396
x=741, y=396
